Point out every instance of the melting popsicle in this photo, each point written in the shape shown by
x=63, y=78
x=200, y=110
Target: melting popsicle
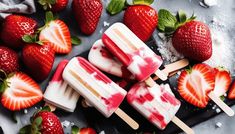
x=58, y=93
x=139, y=59
x=97, y=89
x=157, y=104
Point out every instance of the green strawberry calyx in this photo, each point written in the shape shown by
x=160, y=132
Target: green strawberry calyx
x=4, y=84
x=116, y=6
x=47, y=4
x=168, y=23
x=75, y=130
x=36, y=123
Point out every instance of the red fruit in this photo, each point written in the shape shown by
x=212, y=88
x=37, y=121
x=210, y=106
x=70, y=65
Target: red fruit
x=87, y=131
x=196, y=83
x=222, y=81
x=54, y=5
x=22, y=92
x=59, y=5
x=50, y=123
x=15, y=27
x=193, y=40
x=87, y=14
x=9, y=60
x=38, y=60
x=142, y=20
x=57, y=34
x=231, y=94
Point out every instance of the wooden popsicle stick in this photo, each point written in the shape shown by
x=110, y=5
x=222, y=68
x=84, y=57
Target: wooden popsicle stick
x=160, y=74
x=182, y=125
x=133, y=124
x=221, y=104
x=52, y=107
x=150, y=82
x=174, y=67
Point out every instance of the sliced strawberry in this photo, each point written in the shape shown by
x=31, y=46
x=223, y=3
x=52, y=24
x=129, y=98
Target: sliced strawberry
x=231, y=94
x=56, y=32
x=222, y=81
x=87, y=130
x=196, y=83
x=21, y=92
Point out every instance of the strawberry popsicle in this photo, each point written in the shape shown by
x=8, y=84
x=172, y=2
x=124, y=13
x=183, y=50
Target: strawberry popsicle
x=58, y=93
x=97, y=89
x=100, y=57
x=156, y=103
x=139, y=59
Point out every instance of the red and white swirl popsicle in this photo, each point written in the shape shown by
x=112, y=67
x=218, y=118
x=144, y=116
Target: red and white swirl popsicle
x=58, y=93
x=100, y=57
x=97, y=89
x=157, y=104
x=139, y=59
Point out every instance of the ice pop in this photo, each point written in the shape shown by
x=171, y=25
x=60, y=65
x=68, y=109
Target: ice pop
x=139, y=59
x=157, y=104
x=58, y=93
x=97, y=89
x=100, y=57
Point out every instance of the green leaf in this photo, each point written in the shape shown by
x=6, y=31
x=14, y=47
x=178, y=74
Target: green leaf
x=145, y=2
x=42, y=2
x=49, y=16
x=116, y=6
x=165, y=19
x=75, y=40
x=27, y=38
x=75, y=130
x=38, y=121
x=25, y=130
x=222, y=97
x=169, y=29
x=46, y=108
x=182, y=17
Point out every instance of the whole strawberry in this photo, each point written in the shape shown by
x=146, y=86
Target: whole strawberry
x=142, y=20
x=54, y=5
x=9, y=60
x=43, y=122
x=38, y=59
x=87, y=14
x=191, y=38
x=14, y=28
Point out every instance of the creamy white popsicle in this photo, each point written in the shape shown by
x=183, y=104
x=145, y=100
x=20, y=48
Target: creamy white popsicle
x=100, y=57
x=139, y=59
x=97, y=89
x=58, y=93
x=156, y=103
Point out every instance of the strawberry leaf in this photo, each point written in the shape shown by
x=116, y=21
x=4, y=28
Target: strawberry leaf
x=165, y=19
x=182, y=17
x=46, y=108
x=49, y=17
x=115, y=6
x=75, y=40
x=25, y=130
x=38, y=121
x=144, y=2
x=222, y=97
x=75, y=130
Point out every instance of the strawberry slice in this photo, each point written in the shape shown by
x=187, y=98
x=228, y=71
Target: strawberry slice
x=86, y=130
x=222, y=81
x=20, y=91
x=56, y=33
x=231, y=94
x=194, y=84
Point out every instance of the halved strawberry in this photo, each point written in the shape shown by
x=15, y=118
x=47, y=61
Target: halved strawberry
x=56, y=32
x=231, y=94
x=86, y=130
x=222, y=81
x=194, y=84
x=19, y=92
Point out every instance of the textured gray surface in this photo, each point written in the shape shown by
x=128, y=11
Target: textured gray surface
x=225, y=11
